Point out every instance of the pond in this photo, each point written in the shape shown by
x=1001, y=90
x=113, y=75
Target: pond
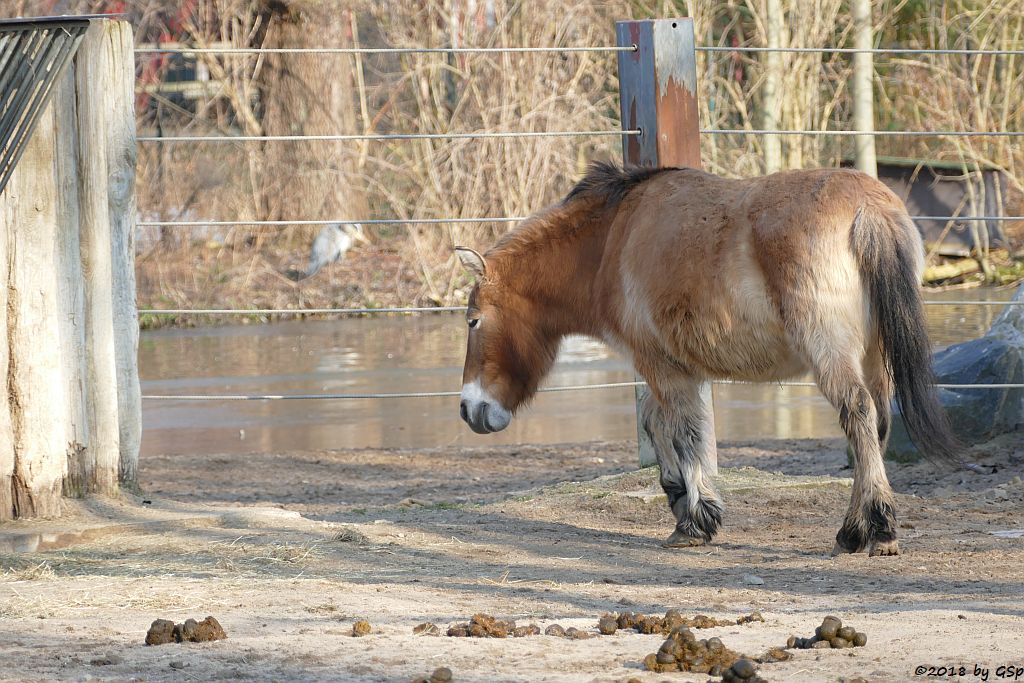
x=425, y=354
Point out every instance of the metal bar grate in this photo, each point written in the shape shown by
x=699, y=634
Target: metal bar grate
x=33, y=56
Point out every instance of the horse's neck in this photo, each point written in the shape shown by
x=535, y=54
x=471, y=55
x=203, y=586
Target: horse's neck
x=559, y=272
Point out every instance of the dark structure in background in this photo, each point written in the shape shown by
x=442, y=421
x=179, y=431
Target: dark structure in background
x=941, y=188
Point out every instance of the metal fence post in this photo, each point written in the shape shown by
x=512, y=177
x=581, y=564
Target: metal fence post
x=658, y=96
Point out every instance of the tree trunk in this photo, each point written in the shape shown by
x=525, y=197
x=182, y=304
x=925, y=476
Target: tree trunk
x=772, y=82
x=863, y=92
x=106, y=147
x=312, y=95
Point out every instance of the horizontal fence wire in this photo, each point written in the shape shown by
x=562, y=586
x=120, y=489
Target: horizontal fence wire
x=884, y=133
x=338, y=221
x=561, y=133
x=427, y=309
x=856, y=50
x=298, y=311
x=181, y=49
x=441, y=221
x=387, y=136
x=403, y=394
x=448, y=394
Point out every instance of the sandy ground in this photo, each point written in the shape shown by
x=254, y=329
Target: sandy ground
x=287, y=550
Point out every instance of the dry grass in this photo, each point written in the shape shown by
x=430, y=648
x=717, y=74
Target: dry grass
x=298, y=94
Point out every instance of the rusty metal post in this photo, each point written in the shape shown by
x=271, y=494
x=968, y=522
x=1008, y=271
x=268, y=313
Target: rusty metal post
x=658, y=96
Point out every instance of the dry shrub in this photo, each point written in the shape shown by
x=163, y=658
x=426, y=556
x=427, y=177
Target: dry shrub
x=441, y=93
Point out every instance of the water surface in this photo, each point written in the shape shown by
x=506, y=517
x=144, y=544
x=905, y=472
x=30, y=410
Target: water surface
x=425, y=353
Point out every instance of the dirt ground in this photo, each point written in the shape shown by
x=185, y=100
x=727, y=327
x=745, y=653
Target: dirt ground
x=287, y=550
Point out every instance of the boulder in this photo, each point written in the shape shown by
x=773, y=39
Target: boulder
x=977, y=415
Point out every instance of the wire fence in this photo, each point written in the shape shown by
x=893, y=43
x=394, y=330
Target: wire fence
x=451, y=394
x=443, y=221
x=513, y=134
x=184, y=49
x=427, y=309
x=483, y=134
x=475, y=135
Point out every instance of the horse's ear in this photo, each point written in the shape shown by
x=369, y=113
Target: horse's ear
x=472, y=261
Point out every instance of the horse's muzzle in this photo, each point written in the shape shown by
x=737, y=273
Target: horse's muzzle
x=481, y=412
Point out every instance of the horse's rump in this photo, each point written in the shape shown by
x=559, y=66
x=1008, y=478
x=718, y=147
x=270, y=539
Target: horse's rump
x=726, y=274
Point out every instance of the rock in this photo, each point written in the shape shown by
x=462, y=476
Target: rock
x=977, y=415
x=177, y=664
x=160, y=632
x=753, y=580
x=107, y=660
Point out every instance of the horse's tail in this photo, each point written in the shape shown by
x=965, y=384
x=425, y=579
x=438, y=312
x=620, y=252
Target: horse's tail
x=888, y=248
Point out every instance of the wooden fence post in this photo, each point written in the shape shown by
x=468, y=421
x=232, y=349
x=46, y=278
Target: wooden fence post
x=862, y=87
x=658, y=96
x=68, y=330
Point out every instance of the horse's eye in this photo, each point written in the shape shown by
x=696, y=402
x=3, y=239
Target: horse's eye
x=473, y=322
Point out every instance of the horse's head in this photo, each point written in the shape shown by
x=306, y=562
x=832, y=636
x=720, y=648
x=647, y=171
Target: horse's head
x=507, y=353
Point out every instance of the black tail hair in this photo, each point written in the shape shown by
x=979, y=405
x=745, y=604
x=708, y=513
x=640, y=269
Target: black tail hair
x=888, y=259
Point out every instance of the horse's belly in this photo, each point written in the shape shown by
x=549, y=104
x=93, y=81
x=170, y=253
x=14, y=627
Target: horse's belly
x=754, y=357
x=734, y=345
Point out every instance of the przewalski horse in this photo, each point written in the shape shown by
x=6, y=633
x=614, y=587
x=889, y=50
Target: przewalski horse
x=697, y=277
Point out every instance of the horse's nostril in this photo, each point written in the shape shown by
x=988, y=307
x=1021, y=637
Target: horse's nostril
x=464, y=411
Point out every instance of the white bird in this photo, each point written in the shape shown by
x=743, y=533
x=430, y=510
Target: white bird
x=332, y=243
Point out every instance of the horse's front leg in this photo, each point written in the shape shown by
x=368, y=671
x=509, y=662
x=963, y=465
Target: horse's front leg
x=676, y=424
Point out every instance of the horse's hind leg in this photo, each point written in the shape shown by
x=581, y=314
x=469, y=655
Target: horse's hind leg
x=870, y=521
x=677, y=429
x=880, y=385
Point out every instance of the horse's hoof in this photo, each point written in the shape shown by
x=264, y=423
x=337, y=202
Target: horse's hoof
x=681, y=540
x=884, y=548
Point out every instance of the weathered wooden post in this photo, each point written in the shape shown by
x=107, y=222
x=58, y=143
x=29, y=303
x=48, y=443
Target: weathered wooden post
x=70, y=417
x=863, y=88
x=658, y=96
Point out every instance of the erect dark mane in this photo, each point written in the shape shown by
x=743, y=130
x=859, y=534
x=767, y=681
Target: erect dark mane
x=606, y=180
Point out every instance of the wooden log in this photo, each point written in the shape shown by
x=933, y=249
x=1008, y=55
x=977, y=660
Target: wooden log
x=121, y=152
x=6, y=429
x=94, y=61
x=946, y=271
x=70, y=311
x=37, y=387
